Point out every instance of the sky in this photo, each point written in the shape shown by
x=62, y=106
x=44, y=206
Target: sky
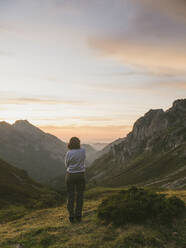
x=90, y=68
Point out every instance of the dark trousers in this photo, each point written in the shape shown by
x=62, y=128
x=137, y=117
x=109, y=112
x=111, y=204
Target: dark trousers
x=75, y=190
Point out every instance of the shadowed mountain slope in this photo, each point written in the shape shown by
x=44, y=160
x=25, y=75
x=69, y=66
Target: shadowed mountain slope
x=17, y=188
x=29, y=148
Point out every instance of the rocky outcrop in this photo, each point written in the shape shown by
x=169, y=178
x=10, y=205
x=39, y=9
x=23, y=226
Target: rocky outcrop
x=156, y=133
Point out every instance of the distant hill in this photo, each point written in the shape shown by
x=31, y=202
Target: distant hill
x=17, y=188
x=108, y=147
x=153, y=153
x=29, y=148
x=91, y=154
x=99, y=146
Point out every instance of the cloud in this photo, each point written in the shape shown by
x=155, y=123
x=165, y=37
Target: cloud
x=165, y=89
x=162, y=59
x=166, y=85
x=81, y=118
x=148, y=34
x=85, y=118
x=141, y=72
x=141, y=86
x=153, y=38
x=6, y=101
x=175, y=8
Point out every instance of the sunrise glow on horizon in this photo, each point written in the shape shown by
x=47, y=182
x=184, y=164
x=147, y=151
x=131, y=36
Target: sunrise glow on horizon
x=90, y=68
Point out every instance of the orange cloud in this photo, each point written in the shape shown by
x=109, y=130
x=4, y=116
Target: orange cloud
x=39, y=101
x=156, y=58
x=170, y=85
x=152, y=36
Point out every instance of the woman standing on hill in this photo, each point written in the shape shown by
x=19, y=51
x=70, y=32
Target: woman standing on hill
x=75, y=178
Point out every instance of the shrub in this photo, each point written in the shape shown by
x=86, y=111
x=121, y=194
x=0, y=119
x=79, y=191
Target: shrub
x=139, y=205
x=138, y=240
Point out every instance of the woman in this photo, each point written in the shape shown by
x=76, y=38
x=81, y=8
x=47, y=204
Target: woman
x=75, y=178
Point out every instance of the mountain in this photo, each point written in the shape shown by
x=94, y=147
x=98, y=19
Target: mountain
x=29, y=148
x=17, y=188
x=153, y=153
x=40, y=154
x=90, y=154
x=93, y=154
x=99, y=146
x=108, y=147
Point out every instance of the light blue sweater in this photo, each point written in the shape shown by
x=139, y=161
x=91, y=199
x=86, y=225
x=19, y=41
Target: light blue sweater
x=75, y=160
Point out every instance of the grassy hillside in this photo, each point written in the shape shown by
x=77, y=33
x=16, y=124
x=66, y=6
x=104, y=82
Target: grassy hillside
x=18, y=189
x=165, y=169
x=158, y=167
x=50, y=228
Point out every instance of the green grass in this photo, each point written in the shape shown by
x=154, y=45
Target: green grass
x=50, y=228
x=12, y=213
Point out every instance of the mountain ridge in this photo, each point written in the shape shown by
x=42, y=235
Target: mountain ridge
x=40, y=154
x=157, y=136
x=29, y=148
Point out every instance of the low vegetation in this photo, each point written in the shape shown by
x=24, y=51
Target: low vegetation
x=139, y=206
x=50, y=228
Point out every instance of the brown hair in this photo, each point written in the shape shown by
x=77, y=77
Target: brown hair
x=74, y=143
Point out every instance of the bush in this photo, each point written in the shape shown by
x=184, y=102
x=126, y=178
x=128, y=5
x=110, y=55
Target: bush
x=139, y=205
x=138, y=240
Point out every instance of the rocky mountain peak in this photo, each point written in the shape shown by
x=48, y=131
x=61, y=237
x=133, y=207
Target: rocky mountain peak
x=5, y=129
x=177, y=113
x=22, y=122
x=154, y=120
x=153, y=112
x=26, y=127
x=180, y=105
x=4, y=124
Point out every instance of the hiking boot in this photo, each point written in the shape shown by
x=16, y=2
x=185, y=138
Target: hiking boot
x=78, y=218
x=71, y=219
